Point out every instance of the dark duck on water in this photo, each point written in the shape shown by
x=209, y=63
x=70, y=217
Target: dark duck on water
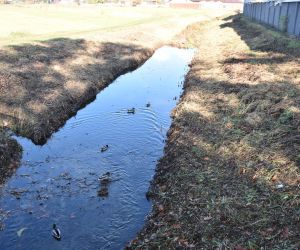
x=104, y=148
x=56, y=232
x=131, y=111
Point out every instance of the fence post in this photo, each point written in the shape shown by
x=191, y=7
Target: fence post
x=297, y=14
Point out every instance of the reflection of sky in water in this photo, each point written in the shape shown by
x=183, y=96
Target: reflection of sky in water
x=58, y=182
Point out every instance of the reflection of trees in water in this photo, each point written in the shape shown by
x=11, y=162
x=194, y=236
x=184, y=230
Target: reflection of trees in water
x=10, y=154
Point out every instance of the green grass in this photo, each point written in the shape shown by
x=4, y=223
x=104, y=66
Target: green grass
x=281, y=38
x=28, y=23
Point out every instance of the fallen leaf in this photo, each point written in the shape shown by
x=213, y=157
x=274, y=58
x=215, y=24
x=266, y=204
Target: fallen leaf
x=242, y=171
x=279, y=186
x=20, y=232
x=229, y=125
x=248, y=233
x=135, y=241
x=183, y=242
x=207, y=218
x=274, y=178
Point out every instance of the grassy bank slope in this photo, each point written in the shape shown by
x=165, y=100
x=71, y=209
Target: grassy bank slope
x=43, y=83
x=54, y=59
x=230, y=175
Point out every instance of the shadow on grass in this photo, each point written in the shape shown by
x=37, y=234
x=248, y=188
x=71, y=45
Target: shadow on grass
x=44, y=84
x=260, y=38
x=230, y=175
x=226, y=172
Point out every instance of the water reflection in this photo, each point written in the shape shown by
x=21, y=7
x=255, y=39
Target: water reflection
x=59, y=182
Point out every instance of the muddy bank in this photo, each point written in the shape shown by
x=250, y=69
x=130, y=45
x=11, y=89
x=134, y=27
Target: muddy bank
x=230, y=175
x=10, y=154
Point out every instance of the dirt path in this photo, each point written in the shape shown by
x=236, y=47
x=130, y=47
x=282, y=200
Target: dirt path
x=230, y=175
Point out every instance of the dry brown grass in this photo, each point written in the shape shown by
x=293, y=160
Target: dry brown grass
x=43, y=84
x=230, y=175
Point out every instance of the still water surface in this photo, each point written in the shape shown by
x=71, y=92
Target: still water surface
x=58, y=182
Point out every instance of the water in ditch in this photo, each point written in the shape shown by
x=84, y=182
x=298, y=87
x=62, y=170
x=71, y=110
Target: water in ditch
x=59, y=181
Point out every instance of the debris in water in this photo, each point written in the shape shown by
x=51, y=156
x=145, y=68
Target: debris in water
x=131, y=111
x=105, y=178
x=103, y=192
x=148, y=104
x=47, y=159
x=17, y=193
x=20, y=232
x=104, y=148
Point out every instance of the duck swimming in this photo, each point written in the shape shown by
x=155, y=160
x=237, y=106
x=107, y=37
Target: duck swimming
x=131, y=111
x=104, y=148
x=56, y=232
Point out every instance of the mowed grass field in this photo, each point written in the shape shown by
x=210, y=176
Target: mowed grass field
x=29, y=23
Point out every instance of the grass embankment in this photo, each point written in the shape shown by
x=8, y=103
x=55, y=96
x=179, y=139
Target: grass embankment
x=44, y=82
x=230, y=176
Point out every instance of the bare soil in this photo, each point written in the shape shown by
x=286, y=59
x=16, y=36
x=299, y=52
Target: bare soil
x=230, y=175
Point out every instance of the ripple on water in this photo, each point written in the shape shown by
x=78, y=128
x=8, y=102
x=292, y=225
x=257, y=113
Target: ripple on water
x=59, y=181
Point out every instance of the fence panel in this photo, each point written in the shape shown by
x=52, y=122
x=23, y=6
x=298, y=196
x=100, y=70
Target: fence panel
x=284, y=16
